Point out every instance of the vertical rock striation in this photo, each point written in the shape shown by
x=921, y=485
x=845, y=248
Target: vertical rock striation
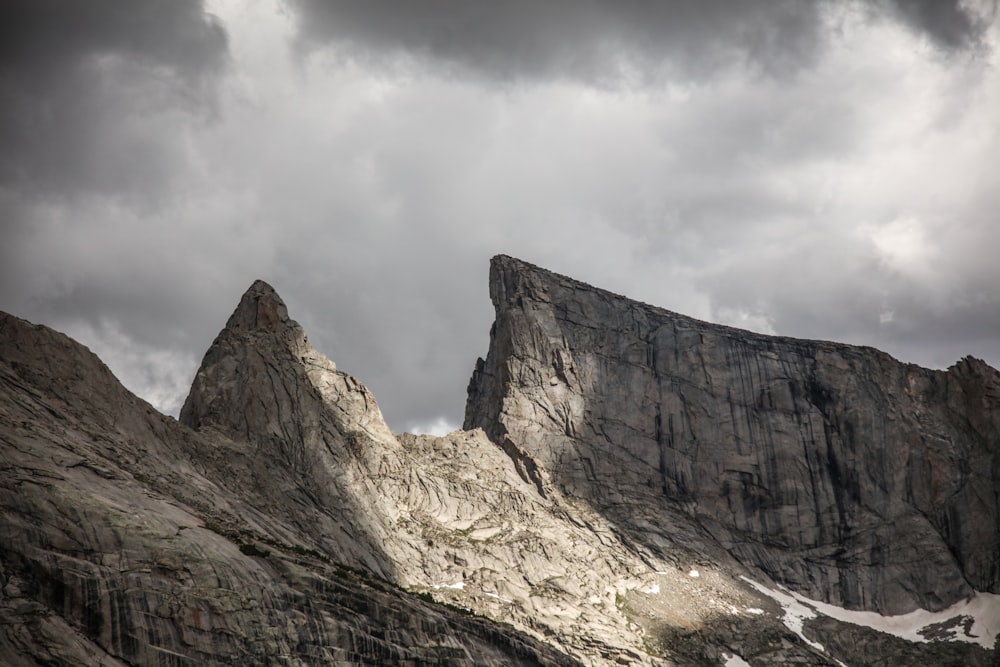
x=843, y=473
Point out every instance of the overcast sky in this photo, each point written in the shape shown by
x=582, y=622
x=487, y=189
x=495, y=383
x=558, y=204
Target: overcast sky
x=814, y=169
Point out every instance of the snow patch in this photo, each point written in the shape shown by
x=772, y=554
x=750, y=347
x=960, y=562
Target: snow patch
x=694, y=573
x=976, y=620
x=457, y=586
x=652, y=590
x=795, y=611
x=755, y=611
x=734, y=661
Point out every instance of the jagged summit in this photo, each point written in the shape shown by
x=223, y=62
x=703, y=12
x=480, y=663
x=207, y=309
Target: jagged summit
x=252, y=371
x=263, y=383
x=262, y=380
x=259, y=308
x=259, y=338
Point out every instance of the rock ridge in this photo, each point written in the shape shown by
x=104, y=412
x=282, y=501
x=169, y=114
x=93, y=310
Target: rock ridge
x=127, y=538
x=283, y=523
x=839, y=471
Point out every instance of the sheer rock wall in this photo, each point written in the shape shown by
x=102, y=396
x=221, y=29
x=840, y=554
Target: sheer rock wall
x=841, y=472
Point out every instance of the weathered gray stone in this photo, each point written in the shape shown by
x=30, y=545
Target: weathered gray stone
x=426, y=513
x=128, y=539
x=284, y=523
x=841, y=472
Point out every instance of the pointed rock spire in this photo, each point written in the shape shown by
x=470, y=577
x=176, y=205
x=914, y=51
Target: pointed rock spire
x=262, y=382
x=259, y=341
x=260, y=309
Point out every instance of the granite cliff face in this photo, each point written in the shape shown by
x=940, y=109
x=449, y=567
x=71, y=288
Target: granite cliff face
x=630, y=500
x=129, y=539
x=842, y=473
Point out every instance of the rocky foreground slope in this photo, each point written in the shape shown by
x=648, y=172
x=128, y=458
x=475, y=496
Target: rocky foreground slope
x=641, y=486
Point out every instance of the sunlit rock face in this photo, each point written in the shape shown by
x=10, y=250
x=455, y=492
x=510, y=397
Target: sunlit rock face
x=841, y=472
x=127, y=538
x=281, y=522
x=262, y=383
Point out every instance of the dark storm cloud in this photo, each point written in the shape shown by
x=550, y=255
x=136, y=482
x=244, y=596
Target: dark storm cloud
x=948, y=22
x=40, y=37
x=609, y=43
x=77, y=80
x=806, y=168
x=594, y=41
x=97, y=103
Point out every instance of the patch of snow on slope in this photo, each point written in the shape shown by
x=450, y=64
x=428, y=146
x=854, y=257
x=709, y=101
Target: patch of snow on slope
x=734, y=661
x=795, y=611
x=983, y=610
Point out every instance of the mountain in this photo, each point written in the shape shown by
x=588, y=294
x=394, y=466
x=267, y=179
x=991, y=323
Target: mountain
x=844, y=474
x=631, y=487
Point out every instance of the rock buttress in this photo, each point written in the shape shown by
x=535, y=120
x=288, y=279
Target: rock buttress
x=843, y=473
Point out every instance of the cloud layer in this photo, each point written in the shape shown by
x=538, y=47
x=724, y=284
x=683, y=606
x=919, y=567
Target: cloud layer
x=809, y=169
x=613, y=43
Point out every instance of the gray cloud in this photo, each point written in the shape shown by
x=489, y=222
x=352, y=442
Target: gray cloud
x=811, y=169
x=950, y=23
x=98, y=102
x=602, y=42
x=610, y=43
x=78, y=81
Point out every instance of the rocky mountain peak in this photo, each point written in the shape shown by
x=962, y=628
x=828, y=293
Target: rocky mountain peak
x=259, y=339
x=260, y=308
x=843, y=473
x=263, y=381
x=642, y=485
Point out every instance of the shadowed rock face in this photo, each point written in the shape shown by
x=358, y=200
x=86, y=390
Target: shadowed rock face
x=839, y=471
x=283, y=523
x=262, y=383
x=129, y=539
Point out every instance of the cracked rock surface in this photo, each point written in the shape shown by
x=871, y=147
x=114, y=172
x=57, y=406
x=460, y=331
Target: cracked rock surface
x=840, y=472
x=129, y=539
x=281, y=522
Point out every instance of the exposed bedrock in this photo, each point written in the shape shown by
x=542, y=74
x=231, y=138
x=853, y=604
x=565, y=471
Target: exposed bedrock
x=129, y=539
x=633, y=457
x=841, y=472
